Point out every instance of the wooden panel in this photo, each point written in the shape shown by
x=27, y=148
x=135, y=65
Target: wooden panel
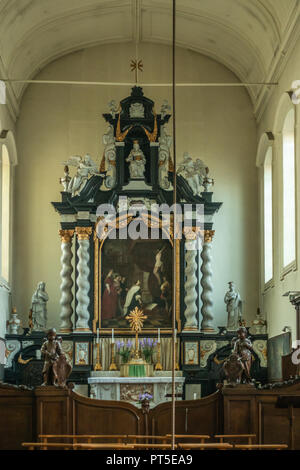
x=238, y=416
x=105, y=417
x=274, y=424
x=191, y=417
x=16, y=418
x=53, y=410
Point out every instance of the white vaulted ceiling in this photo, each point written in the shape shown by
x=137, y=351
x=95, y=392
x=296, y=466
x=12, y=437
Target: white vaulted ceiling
x=251, y=37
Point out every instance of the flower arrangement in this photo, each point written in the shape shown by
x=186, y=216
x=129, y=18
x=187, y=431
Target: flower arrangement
x=124, y=350
x=147, y=346
x=144, y=397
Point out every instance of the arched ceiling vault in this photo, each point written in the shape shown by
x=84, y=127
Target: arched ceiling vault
x=252, y=38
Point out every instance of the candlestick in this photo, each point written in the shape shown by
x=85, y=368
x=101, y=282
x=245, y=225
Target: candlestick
x=98, y=365
x=113, y=365
x=176, y=352
x=158, y=365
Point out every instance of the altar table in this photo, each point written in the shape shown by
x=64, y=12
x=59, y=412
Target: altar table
x=105, y=385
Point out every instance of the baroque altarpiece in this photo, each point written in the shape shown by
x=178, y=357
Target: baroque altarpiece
x=106, y=275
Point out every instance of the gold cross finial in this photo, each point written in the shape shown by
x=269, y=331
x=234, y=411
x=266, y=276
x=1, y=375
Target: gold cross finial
x=137, y=65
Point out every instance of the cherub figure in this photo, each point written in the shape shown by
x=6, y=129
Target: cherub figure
x=56, y=368
x=243, y=348
x=85, y=168
x=113, y=108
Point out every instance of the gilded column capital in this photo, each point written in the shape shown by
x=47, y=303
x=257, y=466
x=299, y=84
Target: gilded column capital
x=66, y=235
x=208, y=235
x=83, y=233
x=192, y=233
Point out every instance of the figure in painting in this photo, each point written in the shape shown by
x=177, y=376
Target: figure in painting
x=233, y=303
x=137, y=161
x=56, y=368
x=133, y=298
x=39, y=308
x=110, y=297
x=243, y=349
x=166, y=294
x=158, y=267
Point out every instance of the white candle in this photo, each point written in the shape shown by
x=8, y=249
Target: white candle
x=195, y=396
x=158, y=338
x=175, y=335
x=97, y=339
x=112, y=335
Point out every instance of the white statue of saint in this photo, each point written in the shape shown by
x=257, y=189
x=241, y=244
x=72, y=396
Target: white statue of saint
x=39, y=307
x=113, y=108
x=233, y=303
x=110, y=155
x=85, y=168
x=189, y=172
x=137, y=161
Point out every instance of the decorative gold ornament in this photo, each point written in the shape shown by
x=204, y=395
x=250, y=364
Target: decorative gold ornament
x=120, y=136
x=23, y=361
x=136, y=320
x=208, y=235
x=66, y=235
x=192, y=233
x=135, y=65
x=83, y=233
x=152, y=135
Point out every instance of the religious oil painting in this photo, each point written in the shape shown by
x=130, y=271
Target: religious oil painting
x=136, y=273
x=81, y=354
x=191, y=353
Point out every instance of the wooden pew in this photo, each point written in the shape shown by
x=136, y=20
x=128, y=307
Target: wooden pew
x=87, y=437
x=261, y=446
x=203, y=446
x=76, y=446
x=138, y=437
x=201, y=437
x=234, y=437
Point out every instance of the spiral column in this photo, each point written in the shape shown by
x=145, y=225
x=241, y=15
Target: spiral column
x=190, y=285
x=206, y=283
x=66, y=295
x=82, y=281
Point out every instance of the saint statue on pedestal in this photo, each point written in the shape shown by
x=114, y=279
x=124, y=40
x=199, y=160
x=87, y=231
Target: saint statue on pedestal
x=39, y=308
x=137, y=161
x=233, y=303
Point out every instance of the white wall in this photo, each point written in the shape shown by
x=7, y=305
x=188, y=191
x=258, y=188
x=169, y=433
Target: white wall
x=277, y=308
x=6, y=123
x=214, y=124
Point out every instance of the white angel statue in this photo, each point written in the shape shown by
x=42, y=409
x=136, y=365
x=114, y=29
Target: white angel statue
x=188, y=170
x=85, y=168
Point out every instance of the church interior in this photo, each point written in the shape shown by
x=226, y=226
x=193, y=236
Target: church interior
x=150, y=241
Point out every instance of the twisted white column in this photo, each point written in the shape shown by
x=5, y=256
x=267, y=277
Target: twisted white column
x=66, y=295
x=190, y=298
x=82, y=281
x=206, y=283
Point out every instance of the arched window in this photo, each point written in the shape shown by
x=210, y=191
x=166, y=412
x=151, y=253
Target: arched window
x=268, y=217
x=5, y=212
x=288, y=175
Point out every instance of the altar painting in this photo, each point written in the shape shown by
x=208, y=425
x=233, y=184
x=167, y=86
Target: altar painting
x=136, y=273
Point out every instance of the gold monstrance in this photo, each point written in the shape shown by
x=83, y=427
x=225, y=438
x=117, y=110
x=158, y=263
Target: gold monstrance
x=136, y=319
